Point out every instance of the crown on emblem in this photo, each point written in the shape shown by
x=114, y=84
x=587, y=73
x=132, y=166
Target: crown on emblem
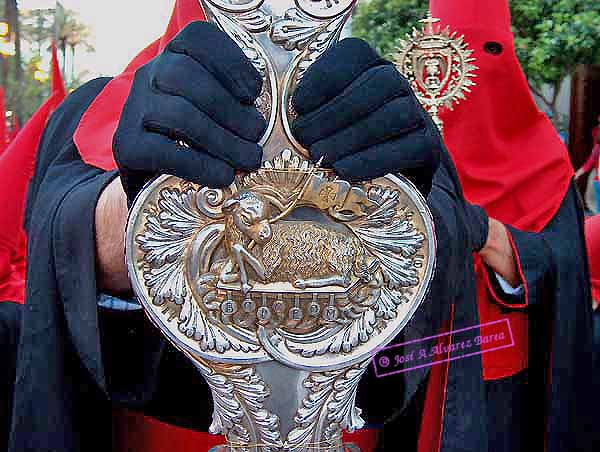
x=439, y=65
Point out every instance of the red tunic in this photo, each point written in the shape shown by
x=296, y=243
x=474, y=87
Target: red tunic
x=134, y=432
x=592, y=241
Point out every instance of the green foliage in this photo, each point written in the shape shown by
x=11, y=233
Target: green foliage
x=37, y=28
x=23, y=97
x=383, y=23
x=32, y=92
x=23, y=92
x=552, y=37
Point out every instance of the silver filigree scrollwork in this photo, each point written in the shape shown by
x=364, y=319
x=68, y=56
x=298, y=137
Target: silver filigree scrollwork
x=325, y=9
x=280, y=287
x=239, y=393
x=312, y=36
x=330, y=402
x=248, y=283
x=308, y=29
x=172, y=229
x=187, y=260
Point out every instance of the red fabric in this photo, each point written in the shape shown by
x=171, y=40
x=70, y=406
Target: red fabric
x=134, y=432
x=592, y=241
x=509, y=361
x=595, y=155
x=432, y=422
x=12, y=284
x=57, y=82
x=505, y=149
x=97, y=127
x=509, y=157
x=592, y=161
x=17, y=165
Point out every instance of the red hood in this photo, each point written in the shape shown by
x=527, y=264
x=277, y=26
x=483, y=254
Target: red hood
x=509, y=157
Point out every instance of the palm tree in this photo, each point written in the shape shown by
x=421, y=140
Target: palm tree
x=41, y=26
x=72, y=33
x=37, y=28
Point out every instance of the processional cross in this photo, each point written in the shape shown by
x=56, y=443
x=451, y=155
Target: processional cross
x=281, y=287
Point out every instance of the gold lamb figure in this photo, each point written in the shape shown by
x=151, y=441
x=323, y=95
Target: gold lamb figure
x=303, y=253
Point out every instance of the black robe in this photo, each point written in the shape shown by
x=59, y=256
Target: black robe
x=76, y=359
x=10, y=321
x=554, y=399
x=550, y=405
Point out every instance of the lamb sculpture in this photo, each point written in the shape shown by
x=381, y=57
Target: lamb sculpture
x=303, y=253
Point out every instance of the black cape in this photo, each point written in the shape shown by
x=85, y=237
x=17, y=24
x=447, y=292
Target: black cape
x=76, y=360
x=556, y=410
x=10, y=321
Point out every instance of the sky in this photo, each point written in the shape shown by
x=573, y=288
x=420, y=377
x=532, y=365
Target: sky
x=120, y=29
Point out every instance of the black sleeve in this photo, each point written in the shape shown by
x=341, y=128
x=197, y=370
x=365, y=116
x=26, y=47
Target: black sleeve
x=62, y=389
x=535, y=268
x=450, y=307
x=561, y=331
x=545, y=258
x=554, y=271
x=59, y=133
x=10, y=315
x=397, y=400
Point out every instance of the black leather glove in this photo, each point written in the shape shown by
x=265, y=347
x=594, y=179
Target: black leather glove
x=359, y=113
x=199, y=91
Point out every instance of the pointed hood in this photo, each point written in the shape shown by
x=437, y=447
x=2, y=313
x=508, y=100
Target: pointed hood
x=97, y=127
x=57, y=84
x=509, y=157
x=17, y=166
x=486, y=15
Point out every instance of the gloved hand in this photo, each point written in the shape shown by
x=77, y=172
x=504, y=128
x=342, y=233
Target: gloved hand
x=199, y=91
x=359, y=113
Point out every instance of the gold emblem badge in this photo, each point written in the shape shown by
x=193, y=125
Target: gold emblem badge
x=439, y=65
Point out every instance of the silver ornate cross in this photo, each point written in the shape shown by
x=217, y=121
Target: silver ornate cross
x=280, y=287
x=282, y=38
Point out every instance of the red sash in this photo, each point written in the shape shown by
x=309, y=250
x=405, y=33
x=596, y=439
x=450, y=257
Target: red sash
x=134, y=432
